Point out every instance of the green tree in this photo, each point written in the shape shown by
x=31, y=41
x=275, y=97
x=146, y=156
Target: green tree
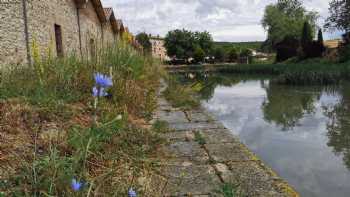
x=339, y=15
x=204, y=40
x=233, y=54
x=199, y=54
x=219, y=54
x=180, y=43
x=145, y=42
x=286, y=19
x=320, y=37
x=306, y=38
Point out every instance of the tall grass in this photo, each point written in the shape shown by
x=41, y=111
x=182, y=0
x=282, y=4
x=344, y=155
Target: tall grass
x=295, y=74
x=49, y=136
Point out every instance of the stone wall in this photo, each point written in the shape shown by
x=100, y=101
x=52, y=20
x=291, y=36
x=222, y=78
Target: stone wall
x=108, y=35
x=12, y=37
x=91, y=31
x=42, y=17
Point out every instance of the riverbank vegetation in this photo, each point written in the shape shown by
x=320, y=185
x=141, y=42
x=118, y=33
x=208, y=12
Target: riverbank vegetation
x=72, y=127
x=181, y=95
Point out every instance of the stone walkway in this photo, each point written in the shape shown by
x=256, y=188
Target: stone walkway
x=203, y=155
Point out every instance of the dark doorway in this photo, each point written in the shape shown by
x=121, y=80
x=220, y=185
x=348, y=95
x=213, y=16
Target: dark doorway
x=92, y=49
x=58, y=36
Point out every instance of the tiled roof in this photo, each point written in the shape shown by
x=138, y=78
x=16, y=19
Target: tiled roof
x=108, y=12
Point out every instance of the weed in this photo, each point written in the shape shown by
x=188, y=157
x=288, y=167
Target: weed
x=199, y=138
x=228, y=190
x=161, y=126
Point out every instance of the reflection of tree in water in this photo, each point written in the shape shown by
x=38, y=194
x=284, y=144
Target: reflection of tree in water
x=339, y=125
x=205, y=83
x=286, y=105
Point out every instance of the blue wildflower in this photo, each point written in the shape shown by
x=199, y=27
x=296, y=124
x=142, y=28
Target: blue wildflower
x=132, y=193
x=76, y=185
x=103, y=80
x=99, y=92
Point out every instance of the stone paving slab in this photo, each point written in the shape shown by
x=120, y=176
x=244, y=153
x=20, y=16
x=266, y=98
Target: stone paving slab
x=253, y=180
x=190, y=180
x=218, y=136
x=179, y=136
x=186, y=151
x=229, y=152
x=199, y=117
x=196, y=126
x=175, y=117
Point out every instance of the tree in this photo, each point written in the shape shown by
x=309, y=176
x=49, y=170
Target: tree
x=204, y=40
x=180, y=43
x=320, y=37
x=286, y=19
x=339, y=15
x=183, y=43
x=219, y=54
x=233, y=54
x=199, y=54
x=287, y=48
x=307, y=36
x=306, y=39
x=145, y=42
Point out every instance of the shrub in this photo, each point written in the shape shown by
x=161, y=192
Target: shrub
x=287, y=48
x=199, y=54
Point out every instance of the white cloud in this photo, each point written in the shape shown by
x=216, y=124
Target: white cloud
x=226, y=20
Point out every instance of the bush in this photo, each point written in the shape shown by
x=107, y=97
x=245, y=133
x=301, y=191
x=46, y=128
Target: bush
x=287, y=48
x=199, y=55
x=219, y=54
x=313, y=49
x=344, y=51
x=233, y=55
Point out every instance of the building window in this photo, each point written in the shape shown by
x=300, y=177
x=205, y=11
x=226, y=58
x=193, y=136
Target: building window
x=58, y=36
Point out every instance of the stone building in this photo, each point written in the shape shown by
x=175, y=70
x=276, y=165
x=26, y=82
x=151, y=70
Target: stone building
x=56, y=27
x=158, y=49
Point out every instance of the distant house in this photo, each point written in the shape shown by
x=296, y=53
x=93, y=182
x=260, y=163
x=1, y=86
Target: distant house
x=61, y=26
x=332, y=44
x=158, y=49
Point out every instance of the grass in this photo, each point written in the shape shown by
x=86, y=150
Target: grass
x=296, y=74
x=51, y=133
x=179, y=95
x=228, y=190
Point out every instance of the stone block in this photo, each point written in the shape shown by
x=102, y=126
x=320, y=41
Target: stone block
x=186, y=151
x=218, y=136
x=229, y=152
x=190, y=180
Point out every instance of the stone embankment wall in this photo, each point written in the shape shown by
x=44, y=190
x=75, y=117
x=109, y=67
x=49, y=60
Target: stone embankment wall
x=202, y=155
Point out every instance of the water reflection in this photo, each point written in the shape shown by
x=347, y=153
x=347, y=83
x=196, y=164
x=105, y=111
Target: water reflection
x=286, y=106
x=301, y=132
x=339, y=124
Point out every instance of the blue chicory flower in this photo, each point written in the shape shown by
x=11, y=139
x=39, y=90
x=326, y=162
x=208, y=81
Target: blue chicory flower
x=76, y=185
x=99, y=92
x=132, y=193
x=103, y=80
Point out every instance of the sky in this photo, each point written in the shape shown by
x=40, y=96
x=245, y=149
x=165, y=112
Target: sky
x=226, y=20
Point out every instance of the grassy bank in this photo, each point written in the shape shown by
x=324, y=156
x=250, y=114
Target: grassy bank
x=60, y=138
x=295, y=74
x=181, y=95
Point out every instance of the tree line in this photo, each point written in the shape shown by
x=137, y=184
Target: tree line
x=292, y=29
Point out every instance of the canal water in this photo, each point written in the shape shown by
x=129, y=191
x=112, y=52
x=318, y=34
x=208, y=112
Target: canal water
x=301, y=132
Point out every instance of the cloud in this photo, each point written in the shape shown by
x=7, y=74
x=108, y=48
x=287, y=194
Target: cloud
x=226, y=20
